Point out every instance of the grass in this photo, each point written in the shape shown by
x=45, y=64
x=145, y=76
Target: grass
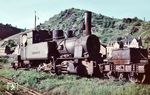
x=3, y=60
x=73, y=85
x=2, y=86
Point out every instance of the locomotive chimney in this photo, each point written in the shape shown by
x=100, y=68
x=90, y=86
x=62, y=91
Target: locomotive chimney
x=88, y=15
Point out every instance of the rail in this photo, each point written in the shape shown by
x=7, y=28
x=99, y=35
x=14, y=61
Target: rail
x=25, y=90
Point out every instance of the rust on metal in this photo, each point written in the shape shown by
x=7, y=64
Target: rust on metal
x=129, y=56
x=88, y=15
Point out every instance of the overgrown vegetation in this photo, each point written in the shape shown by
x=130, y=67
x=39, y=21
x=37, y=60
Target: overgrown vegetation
x=2, y=87
x=3, y=60
x=10, y=46
x=73, y=85
x=105, y=27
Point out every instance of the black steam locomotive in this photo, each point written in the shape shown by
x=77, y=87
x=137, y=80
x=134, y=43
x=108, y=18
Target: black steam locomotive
x=41, y=46
x=81, y=55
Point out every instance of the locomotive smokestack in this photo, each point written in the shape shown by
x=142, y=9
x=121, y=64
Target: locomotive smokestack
x=88, y=15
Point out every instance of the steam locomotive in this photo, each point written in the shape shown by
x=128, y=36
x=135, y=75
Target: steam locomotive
x=81, y=55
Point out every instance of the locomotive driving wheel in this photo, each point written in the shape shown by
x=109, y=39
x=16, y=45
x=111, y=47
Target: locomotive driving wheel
x=137, y=77
x=122, y=77
x=110, y=75
x=142, y=78
x=132, y=77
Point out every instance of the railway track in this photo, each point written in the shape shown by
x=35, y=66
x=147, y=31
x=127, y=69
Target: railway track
x=21, y=90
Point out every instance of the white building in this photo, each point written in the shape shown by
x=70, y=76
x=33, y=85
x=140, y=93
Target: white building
x=128, y=42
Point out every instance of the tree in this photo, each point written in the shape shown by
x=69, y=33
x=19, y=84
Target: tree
x=10, y=46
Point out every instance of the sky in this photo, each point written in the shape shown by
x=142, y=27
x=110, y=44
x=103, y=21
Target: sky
x=20, y=13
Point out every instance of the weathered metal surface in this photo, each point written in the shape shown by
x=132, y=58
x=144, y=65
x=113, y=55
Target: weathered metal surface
x=70, y=34
x=141, y=69
x=107, y=67
x=120, y=61
x=138, y=68
x=66, y=46
x=128, y=56
x=23, y=53
x=41, y=36
x=123, y=68
x=120, y=68
x=37, y=51
x=128, y=68
x=58, y=34
x=89, y=43
x=78, y=51
x=88, y=15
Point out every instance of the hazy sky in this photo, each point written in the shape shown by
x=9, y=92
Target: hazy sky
x=20, y=13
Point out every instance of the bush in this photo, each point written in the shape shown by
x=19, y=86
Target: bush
x=3, y=59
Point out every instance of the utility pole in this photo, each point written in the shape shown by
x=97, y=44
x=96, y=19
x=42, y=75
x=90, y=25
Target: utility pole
x=144, y=19
x=35, y=21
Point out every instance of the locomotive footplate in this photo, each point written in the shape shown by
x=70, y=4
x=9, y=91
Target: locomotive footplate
x=138, y=68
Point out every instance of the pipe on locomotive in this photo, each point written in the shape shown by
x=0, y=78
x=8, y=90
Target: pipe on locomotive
x=88, y=16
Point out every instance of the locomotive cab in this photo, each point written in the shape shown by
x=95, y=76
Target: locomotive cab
x=36, y=47
x=41, y=36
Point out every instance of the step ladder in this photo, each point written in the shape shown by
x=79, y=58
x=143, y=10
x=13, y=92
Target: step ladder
x=64, y=69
